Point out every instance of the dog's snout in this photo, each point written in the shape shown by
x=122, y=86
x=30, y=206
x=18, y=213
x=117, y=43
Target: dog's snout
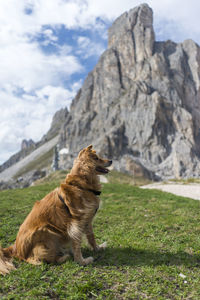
x=107, y=163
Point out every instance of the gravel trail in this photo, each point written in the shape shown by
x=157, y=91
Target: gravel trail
x=190, y=190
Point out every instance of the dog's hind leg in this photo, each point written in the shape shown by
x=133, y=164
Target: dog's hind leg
x=41, y=254
x=33, y=261
x=38, y=254
x=62, y=259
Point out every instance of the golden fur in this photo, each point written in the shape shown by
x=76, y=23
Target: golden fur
x=57, y=223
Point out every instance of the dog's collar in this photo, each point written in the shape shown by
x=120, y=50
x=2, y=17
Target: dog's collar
x=97, y=193
x=63, y=201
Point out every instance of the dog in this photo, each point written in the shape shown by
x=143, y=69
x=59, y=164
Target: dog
x=56, y=224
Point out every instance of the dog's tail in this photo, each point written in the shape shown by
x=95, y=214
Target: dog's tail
x=6, y=264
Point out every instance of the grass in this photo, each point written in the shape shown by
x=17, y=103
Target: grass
x=113, y=177
x=54, y=178
x=185, y=181
x=124, y=178
x=152, y=237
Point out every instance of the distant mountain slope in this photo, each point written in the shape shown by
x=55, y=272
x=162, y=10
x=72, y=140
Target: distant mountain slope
x=28, y=147
x=23, y=166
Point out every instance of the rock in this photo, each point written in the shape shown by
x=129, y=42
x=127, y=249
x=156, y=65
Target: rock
x=23, y=181
x=56, y=124
x=140, y=104
x=134, y=167
x=27, y=144
x=132, y=36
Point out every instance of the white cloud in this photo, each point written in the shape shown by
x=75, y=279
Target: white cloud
x=50, y=35
x=83, y=13
x=30, y=116
x=181, y=19
x=36, y=76
x=87, y=48
x=24, y=65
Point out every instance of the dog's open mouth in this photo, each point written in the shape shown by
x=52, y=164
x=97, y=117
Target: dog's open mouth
x=102, y=170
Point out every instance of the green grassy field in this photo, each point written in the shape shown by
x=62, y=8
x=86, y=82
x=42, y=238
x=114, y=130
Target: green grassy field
x=152, y=238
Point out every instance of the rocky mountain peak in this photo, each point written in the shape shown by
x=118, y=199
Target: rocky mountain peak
x=141, y=104
x=27, y=144
x=132, y=34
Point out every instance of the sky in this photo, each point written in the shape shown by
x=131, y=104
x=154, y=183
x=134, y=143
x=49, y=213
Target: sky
x=47, y=48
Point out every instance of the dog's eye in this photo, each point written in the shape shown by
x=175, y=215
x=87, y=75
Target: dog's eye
x=96, y=158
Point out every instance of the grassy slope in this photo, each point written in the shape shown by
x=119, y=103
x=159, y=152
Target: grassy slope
x=113, y=177
x=152, y=238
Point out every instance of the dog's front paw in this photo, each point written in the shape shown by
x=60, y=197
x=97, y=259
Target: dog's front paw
x=87, y=261
x=101, y=247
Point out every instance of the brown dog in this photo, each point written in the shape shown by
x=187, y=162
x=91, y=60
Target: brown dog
x=57, y=223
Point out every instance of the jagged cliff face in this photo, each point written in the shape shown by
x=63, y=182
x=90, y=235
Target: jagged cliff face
x=141, y=103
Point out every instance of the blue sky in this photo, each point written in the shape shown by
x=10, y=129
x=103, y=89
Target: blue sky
x=47, y=48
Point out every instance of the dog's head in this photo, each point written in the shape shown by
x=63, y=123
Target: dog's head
x=91, y=162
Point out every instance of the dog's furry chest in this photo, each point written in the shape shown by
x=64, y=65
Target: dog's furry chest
x=89, y=212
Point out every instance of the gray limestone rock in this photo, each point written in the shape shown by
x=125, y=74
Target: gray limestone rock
x=140, y=105
x=27, y=144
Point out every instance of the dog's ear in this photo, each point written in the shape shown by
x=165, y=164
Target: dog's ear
x=89, y=148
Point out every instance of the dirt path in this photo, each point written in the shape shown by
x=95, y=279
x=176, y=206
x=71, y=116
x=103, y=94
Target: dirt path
x=186, y=190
